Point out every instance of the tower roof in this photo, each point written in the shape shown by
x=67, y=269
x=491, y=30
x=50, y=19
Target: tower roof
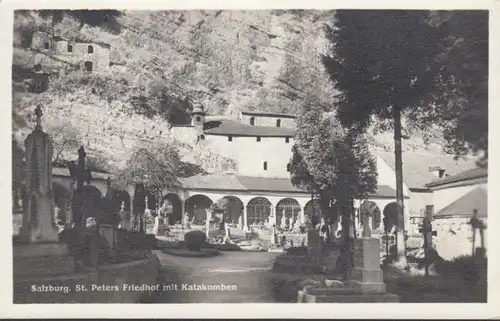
x=198, y=109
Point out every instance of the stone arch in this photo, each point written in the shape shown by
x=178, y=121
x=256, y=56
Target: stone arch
x=88, y=66
x=289, y=207
x=198, y=207
x=258, y=210
x=313, y=207
x=252, y=121
x=372, y=209
x=174, y=207
x=62, y=202
x=70, y=47
x=391, y=214
x=90, y=49
x=232, y=208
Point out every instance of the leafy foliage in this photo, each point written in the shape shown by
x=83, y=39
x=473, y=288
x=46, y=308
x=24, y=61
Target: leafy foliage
x=330, y=160
x=460, y=98
x=154, y=166
x=432, y=66
x=380, y=60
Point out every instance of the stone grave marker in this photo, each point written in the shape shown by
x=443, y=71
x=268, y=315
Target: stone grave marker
x=366, y=283
x=40, y=252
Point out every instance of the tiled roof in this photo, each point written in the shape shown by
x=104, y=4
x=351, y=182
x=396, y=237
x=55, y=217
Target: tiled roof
x=476, y=199
x=416, y=166
x=231, y=127
x=259, y=113
x=216, y=181
x=248, y=183
x=462, y=176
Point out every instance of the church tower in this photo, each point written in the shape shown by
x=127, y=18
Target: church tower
x=198, y=116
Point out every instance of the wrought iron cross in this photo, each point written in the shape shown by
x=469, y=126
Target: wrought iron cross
x=426, y=230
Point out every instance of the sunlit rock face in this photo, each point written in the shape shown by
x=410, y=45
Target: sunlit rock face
x=229, y=61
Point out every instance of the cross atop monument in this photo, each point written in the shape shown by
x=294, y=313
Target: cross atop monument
x=367, y=232
x=38, y=114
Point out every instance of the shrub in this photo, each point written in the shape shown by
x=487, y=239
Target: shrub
x=464, y=267
x=297, y=251
x=134, y=240
x=195, y=240
x=108, y=213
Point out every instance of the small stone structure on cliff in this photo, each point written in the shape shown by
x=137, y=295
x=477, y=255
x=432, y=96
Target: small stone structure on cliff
x=85, y=55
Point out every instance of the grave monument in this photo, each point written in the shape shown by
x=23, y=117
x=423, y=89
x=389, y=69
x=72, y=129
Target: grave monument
x=366, y=283
x=40, y=252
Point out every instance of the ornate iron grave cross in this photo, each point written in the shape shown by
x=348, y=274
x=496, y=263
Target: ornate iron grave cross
x=80, y=174
x=428, y=233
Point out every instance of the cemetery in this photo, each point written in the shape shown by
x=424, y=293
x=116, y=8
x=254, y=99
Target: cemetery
x=98, y=241
x=326, y=178
x=92, y=252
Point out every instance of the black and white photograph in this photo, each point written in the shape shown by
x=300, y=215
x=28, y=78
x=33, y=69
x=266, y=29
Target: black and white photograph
x=188, y=156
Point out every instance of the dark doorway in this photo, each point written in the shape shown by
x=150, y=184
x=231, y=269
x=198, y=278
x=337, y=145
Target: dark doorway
x=88, y=66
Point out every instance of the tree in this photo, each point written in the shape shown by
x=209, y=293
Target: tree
x=382, y=63
x=152, y=168
x=331, y=161
x=65, y=140
x=460, y=105
x=430, y=67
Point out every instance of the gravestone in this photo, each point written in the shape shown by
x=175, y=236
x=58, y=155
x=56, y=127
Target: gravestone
x=123, y=215
x=40, y=252
x=313, y=243
x=273, y=235
x=240, y=222
x=366, y=283
x=366, y=274
x=283, y=220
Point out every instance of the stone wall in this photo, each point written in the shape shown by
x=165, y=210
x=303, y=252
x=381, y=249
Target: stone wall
x=76, y=53
x=268, y=121
x=69, y=287
x=251, y=154
x=455, y=236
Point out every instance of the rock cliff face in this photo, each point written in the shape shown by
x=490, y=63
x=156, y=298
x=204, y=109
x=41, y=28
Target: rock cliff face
x=227, y=60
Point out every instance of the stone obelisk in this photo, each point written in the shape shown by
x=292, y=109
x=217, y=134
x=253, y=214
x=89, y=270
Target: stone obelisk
x=39, y=225
x=40, y=252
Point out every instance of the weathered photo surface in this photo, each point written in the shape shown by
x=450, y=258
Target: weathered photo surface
x=250, y=156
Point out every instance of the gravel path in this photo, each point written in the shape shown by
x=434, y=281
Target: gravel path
x=246, y=275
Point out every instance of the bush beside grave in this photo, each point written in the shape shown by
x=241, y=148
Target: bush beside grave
x=134, y=240
x=195, y=240
x=463, y=267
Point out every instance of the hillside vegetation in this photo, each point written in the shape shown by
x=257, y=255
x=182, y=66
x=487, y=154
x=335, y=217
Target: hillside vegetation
x=162, y=62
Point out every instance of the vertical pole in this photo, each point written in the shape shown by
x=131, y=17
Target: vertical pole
x=474, y=216
x=429, y=209
x=429, y=212
x=400, y=239
x=426, y=244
